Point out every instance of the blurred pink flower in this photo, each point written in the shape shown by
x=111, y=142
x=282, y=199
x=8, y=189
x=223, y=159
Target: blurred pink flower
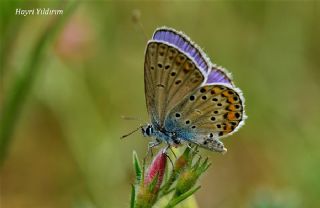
x=75, y=40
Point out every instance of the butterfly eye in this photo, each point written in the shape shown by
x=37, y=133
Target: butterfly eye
x=213, y=118
x=167, y=67
x=173, y=73
x=178, y=115
x=187, y=122
x=204, y=97
x=148, y=130
x=160, y=65
x=214, y=99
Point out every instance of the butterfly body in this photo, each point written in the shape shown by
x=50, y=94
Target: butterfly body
x=189, y=100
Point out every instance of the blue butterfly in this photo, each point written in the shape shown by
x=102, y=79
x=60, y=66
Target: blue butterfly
x=189, y=99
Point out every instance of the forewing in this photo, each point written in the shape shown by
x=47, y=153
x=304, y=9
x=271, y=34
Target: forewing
x=173, y=68
x=169, y=76
x=207, y=114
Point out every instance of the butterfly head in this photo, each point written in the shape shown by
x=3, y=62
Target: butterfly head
x=147, y=130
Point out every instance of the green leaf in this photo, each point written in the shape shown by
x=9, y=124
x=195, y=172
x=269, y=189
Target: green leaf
x=166, y=174
x=174, y=201
x=154, y=183
x=137, y=166
x=197, y=164
x=133, y=196
x=205, y=165
x=168, y=182
x=143, y=170
x=169, y=191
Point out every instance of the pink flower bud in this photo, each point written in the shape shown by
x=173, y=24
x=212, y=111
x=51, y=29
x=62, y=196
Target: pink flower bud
x=157, y=167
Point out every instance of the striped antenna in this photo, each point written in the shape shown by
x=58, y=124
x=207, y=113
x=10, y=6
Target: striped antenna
x=126, y=135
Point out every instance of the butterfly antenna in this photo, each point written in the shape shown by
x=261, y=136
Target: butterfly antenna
x=126, y=135
x=131, y=118
x=136, y=15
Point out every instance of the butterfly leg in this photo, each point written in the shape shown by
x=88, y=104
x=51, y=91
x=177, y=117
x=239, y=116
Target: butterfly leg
x=151, y=145
x=165, y=152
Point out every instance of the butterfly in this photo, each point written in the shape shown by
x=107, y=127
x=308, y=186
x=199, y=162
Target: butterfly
x=188, y=98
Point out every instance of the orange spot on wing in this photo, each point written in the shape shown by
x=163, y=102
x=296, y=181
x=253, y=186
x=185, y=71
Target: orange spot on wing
x=228, y=128
x=206, y=88
x=231, y=99
x=232, y=107
x=231, y=116
x=216, y=90
x=225, y=93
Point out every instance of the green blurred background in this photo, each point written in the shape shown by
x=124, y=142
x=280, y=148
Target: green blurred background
x=65, y=149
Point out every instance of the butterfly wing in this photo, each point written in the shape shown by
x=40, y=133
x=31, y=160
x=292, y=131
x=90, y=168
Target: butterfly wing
x=207, y=114
x=173, y=68
x=187, y=94
x=219, y=75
